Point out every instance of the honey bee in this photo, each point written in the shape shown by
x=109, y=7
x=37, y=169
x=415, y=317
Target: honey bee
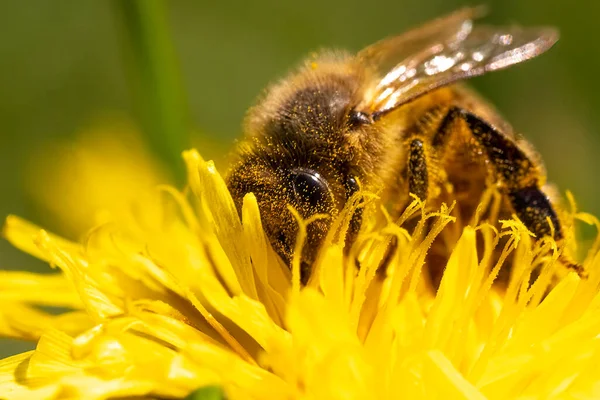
x=394, y=118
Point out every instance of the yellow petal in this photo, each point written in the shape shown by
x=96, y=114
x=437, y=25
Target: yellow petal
x=21, y=321
x=14, y=385
x=211, y=189
x=444, y=381
x=45, y=290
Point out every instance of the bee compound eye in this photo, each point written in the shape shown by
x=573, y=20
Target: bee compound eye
x=310, y=187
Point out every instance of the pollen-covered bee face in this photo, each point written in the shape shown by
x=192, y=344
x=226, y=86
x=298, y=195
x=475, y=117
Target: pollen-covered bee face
x=308, y=191
x=298, y=155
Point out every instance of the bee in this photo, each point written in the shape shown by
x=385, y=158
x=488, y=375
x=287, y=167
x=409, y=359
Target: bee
x=395, y=118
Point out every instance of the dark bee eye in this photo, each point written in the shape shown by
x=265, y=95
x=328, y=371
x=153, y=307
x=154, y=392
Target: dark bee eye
x=310, y=187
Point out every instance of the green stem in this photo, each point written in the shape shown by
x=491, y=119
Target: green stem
x=155, y=79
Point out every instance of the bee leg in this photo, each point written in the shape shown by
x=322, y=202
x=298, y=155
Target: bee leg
x=424, y=143
x=418, y=182
x=520, y=179
x=418, y=179
x=519, y=176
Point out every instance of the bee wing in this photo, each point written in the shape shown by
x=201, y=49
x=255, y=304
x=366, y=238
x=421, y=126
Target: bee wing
x=468, y=51
x=385, y=54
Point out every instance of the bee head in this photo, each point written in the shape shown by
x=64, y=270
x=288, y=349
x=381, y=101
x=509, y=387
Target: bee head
x=310, y=190
x=299, y=152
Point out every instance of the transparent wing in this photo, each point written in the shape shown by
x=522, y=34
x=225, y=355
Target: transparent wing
x=385, y=54
x=468, y=51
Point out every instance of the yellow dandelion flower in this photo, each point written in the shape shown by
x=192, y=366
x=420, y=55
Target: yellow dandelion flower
x=188, y=295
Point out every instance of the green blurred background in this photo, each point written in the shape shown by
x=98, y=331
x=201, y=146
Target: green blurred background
x=64, y=64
